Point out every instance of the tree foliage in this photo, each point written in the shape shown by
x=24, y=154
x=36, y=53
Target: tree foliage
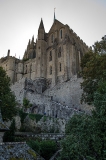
x=93, y=70
x=87, y=133
x=45, y=148
x=7, y=98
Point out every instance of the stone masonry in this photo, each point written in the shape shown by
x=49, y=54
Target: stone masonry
x=54, y=57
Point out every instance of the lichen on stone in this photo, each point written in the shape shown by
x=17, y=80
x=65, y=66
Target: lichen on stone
x=32, y=153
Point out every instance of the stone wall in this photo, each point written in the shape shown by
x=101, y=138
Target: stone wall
x=67, y=93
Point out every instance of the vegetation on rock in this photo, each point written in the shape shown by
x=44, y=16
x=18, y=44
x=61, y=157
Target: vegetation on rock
x=9, y=135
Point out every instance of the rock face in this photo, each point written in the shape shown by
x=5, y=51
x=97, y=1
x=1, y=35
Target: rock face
x=17, y=150
x=58, y=103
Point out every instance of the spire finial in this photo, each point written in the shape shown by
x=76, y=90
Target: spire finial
x=54, y=14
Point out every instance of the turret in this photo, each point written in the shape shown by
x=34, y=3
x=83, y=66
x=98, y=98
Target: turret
x=32, y=43
x=28, y=46
x=8, y=53
x=41, y=31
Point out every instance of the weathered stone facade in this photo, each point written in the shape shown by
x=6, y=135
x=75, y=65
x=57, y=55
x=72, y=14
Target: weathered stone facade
x=54, y=57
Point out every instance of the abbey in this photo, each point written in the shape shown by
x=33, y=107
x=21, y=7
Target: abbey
x=54, y=57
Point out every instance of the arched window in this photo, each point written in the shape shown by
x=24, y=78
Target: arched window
x=50, y=56
x=61, y=34
x=50, y=70
x=60, y=67
x=52, y=38
x=59, y=53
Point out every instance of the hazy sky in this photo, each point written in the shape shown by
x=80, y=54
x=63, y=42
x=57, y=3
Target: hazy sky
x=19, y=21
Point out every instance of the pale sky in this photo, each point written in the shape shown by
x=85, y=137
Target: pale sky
x=20, y=19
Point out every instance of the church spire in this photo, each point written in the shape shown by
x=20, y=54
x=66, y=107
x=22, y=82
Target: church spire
x=54, y=14
x=41, y=26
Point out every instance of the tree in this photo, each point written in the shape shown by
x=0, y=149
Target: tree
x=77, y=145
x=8, y=103
x=87, y=133
x=93, y=66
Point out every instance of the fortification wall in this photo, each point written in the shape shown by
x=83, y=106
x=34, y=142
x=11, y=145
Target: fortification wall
x=67, y=93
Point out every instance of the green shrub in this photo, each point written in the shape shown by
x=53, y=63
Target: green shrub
x=9, y=135
x=22, y=115
x=36, y=117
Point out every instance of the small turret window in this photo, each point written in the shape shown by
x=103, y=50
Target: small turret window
x=59, y=53
x=50, y=56
x=60, y=67
x=50, y=70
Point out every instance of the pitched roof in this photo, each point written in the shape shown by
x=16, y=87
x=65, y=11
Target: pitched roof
x=56, y=25
x=18, y=150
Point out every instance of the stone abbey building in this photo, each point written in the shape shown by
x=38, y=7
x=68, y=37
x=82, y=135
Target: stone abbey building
x=53, y=58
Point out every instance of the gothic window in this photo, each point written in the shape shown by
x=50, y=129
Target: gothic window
x=50, y=70
x=26, y=68
x=50, y=56
x=61, y=34
x=34, y=54
x=52, y=38
x=59, y=53
x=60, y=67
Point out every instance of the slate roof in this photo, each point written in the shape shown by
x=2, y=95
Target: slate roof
x=17, y=150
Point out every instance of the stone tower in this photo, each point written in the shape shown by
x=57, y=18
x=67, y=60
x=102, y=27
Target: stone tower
x=41, y=46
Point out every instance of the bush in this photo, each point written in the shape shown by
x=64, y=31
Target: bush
x=35, y=116
x=9, y=135
x=45, y=148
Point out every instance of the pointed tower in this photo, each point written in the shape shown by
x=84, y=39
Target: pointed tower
x=32, y=43
x=41, y=46
x=41, y=31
